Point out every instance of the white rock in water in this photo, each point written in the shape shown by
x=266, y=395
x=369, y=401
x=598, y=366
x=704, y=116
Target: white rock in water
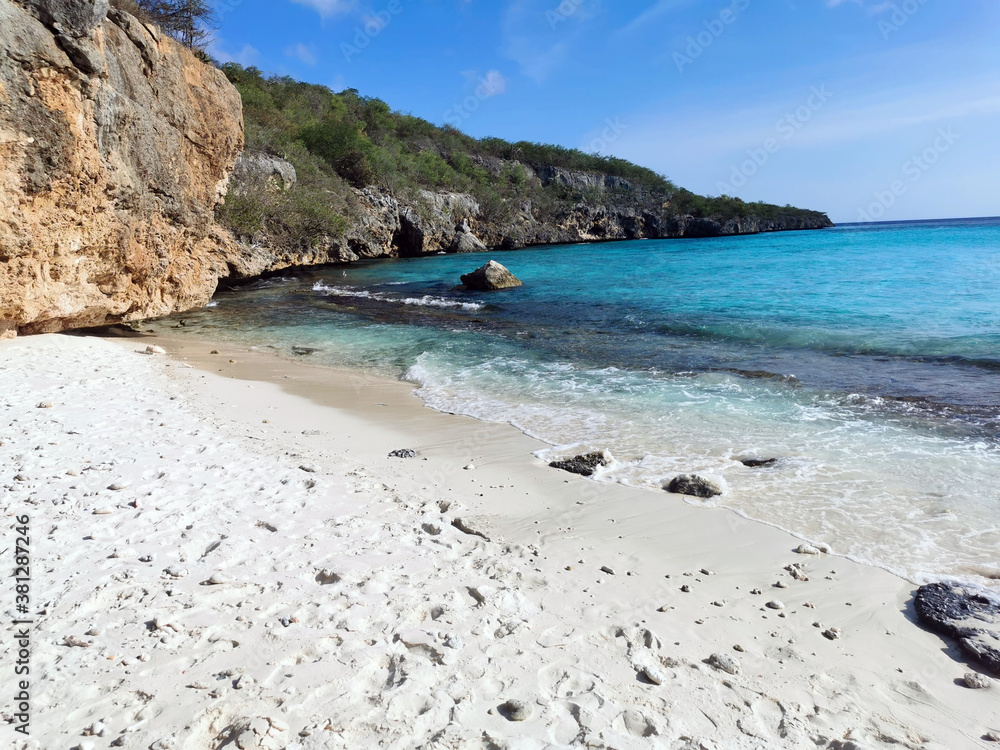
x=976, y=681
x=775, y=605
x=808, y=549
x=153, y=349
x=725, y=663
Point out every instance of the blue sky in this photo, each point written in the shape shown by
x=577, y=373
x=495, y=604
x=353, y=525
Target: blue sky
x=862, y=108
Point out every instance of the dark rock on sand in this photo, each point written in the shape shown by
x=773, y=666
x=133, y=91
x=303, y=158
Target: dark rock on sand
x=970, y=616
x=585, y=465
x=491, y=277
x=693, y=485
x=403, y=453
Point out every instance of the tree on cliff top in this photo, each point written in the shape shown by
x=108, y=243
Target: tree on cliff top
x=190, y=22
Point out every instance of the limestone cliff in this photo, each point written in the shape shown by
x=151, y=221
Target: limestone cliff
x=116, y=145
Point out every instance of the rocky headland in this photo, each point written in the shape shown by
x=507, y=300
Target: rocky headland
x=123, y=167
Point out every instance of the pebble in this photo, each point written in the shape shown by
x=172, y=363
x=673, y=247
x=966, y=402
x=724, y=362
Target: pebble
x=808, y=549
x=86, y=745
x=686, y=589
x=95, y=730
x=653, y=674
x=725, y=663
x=153, y=349
x=605, y=569
x=516, y=710
x=719, y=603
x=781, y=585
x=103, y=511
x=147, y=558
x=120, y=485
x=706, y=572
x=21, y=478
x=308, y=468
x=244, y=681
x=403, y=453
x=470, y=467
x=94, y=632
x=756, y=592
x=214, y=351
x=775, y=605
x=199, y=685
x=833, y=634
x=217, y=579
x=176, y=571
x=739, y=648
x=976, y=681
x=993, y=736
x=44, y=404
x=72, y=640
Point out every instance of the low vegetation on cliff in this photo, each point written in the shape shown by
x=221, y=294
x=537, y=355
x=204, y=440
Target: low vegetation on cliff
x=341, y=141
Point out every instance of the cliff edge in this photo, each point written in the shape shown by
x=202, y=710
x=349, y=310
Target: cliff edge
x=116, y=146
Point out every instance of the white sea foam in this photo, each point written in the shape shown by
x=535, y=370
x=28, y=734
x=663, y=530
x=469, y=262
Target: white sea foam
x=425, y=301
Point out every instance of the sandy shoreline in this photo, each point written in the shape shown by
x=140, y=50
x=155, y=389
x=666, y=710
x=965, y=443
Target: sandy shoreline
x=354, y=611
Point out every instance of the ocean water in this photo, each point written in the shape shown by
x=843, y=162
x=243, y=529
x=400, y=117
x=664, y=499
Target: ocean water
x=866, y=359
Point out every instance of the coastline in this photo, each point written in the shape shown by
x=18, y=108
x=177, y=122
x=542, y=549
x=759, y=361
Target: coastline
x=534, y=616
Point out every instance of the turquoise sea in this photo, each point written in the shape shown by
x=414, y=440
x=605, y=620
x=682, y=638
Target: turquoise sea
x=865, y=358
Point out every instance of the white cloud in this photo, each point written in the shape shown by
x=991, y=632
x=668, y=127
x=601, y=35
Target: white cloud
x=302, y=53
x=538, y=34
x=246, y=56
x=329, y=7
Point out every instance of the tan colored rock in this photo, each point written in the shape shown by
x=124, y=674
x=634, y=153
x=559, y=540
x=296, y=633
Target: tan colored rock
x=109, y=179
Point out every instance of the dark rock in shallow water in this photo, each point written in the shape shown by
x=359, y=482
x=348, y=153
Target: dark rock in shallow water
x=489, y=278
x=971, y=617
x=403, y=453
x=583, y=465
x=757, y=463
x=693, y=485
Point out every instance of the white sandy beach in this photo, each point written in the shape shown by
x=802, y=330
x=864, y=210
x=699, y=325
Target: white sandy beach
x=264, y=575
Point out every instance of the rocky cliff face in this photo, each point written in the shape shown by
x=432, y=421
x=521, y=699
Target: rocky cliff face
x=116, y=145
x=426, y=223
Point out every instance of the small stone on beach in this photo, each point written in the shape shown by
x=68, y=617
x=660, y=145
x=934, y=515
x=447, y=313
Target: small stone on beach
x=976, y=681
x=153, y=349
x=516, y=710
x=725, y=663
x=45, y=405
x=775, y=605
x=403, y=453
